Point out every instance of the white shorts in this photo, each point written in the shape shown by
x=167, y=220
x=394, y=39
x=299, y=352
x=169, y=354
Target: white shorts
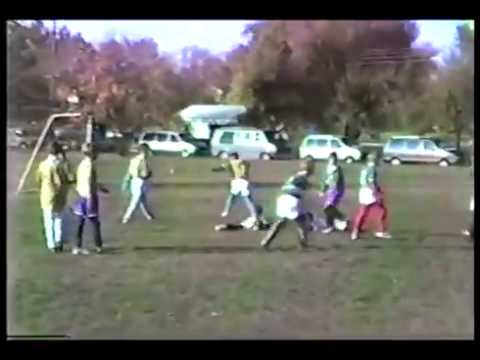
x=366, y=196
x=138, y=185
x=288, y=207
x=240, y=187
x=472, y=204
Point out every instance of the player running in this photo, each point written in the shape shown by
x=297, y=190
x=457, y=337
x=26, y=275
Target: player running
x=290, y=207
x=370, y=197
x=333, y=190
x=239, y=185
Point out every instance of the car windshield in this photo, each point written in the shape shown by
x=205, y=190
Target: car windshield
x=442, y=143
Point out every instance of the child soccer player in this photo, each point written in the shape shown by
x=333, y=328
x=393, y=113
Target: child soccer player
x=370, y=197
x=333, y=189
x=250, y=223
x=239, y=185
x=136, y=183
x=289, y=206
x=87, y=205
x=51, y=183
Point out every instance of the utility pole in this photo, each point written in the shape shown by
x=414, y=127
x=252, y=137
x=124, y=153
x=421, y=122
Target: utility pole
x=54, y=54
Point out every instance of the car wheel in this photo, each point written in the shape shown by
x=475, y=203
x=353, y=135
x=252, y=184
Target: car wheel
x=444, y=163
x=349, y=160
x=395, y=161
x=223, y=155
x=265, y=156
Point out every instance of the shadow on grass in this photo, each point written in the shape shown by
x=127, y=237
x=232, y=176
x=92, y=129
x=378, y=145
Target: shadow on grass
x=280, y=249
x=196, y=185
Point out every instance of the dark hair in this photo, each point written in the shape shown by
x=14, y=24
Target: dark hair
x=333, y=155
x=234, y=155
x=144, y=148
x=55, y=148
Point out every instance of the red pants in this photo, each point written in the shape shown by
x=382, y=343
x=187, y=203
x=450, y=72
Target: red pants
x=378, y=208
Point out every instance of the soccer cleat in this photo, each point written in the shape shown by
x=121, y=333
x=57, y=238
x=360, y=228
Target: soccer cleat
x=383, y=235
x=224, y=214
x=220, y=227
x=124, y=221
x=98, y=250
x=466, y=232
x=354, y=235
x=80, y=251
x=328, y=230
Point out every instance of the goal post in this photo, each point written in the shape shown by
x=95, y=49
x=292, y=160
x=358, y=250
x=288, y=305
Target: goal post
x=40, y=142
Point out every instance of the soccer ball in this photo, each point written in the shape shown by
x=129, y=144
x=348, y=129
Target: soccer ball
x=341, y=225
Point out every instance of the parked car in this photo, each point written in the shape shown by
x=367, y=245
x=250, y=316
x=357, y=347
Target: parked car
x=417, y=149
x=319, y=147
x=248, y=142
x=167, y=142
x=17, y=138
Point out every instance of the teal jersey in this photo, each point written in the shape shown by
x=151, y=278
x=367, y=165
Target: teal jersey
x=368, y=177
x=333, y=178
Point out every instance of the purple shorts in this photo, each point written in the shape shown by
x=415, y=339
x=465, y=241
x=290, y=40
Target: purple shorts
x=87, y=208
x=333, y=197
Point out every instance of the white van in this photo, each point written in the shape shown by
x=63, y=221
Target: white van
x=321, y=146
x=248, y=142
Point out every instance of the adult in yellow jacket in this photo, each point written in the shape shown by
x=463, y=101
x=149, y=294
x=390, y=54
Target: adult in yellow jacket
x=51, y=183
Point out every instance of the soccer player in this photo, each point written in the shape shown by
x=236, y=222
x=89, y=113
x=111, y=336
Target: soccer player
x=51, y=184
x=87, y=205
x=250, y=223
x=135, y=182
x=370, y=197
x=289, y=206
x=239, y=185
x=333, y=190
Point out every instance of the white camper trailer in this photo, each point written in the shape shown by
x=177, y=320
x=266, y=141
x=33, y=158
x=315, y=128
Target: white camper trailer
x=201, y=118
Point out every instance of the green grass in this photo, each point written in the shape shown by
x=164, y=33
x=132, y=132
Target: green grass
x=177, y=278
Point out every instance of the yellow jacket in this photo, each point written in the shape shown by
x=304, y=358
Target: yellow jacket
x=68, y=177
x=139, y=167
x=50, y=183
x=239, y=168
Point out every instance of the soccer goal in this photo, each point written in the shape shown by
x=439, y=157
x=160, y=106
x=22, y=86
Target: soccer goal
x=43, y=135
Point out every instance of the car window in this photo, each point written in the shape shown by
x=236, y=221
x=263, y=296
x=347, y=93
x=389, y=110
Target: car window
x=149, y=137
x=322, y=143
x=226, y=138
x=310, y=142
x=396, y=144
x=335, y=144
x=412, y=144
x=246, y=136
x=173, y=138
x=428, y=145
x=162, y=137
x=258, y=137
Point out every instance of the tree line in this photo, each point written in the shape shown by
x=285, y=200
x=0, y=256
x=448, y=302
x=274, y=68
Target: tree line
x=342, y=76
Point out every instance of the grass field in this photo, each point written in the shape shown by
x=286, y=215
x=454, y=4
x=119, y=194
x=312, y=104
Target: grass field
x=177, y=278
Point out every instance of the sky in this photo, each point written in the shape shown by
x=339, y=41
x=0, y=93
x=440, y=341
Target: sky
x=218, y=35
